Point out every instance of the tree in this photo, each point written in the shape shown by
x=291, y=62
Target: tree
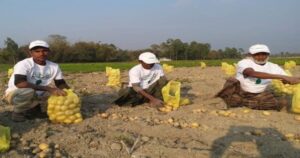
x=173, y=49
x=231, y=53
x=11, y=49
x=59, y=47
x=11, y=53
x=157, y=49
x=197, y=50
x=62, y=51
x=213, y=55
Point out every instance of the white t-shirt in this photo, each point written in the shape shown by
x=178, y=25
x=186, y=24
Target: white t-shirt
x=252, y=84
x=36, y=74
x=145, y=77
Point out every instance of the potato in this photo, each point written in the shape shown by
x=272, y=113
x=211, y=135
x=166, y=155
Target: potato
x=246, y=111
x=104, y=115
x=289, y=136
x=297, y=117
x=78, y=120
x=194, y=125
x=72, y=106
x=170, y=120
x=43, y=146
x=267, y=113
x=63, y=108
x=67, y=121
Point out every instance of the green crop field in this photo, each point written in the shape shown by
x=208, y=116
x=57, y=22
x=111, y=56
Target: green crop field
x=93, y=67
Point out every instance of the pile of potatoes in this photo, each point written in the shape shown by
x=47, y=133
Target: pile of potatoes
x=64, y=109
x=280, y=87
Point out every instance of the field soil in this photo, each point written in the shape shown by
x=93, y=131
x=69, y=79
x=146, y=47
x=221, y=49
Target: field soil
x=143, y=131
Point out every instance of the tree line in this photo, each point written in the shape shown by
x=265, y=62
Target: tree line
x=63, y=51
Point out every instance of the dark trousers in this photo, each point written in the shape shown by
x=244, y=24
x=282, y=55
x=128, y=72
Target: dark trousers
x=128, y=96
x=234, y=96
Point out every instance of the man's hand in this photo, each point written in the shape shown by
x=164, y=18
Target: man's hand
x=290, y=80
x=156, y=102
x=57, y=91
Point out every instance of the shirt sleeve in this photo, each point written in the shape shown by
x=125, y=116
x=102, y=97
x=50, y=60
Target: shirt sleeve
x=20, y=69
x=242, y=65
x=134, y=76
x=161, y=70
x=59, y=74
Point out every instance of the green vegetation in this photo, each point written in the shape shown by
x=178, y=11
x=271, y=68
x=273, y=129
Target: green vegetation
x=94, y=67
x=63, y=51
x=5, y=67
x=193, y=63
x=217, y=62
x=95, y=56
x=280, y=61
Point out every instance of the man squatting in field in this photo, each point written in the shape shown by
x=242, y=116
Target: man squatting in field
x=28, y=86
x=254, y=74
x=145, y=83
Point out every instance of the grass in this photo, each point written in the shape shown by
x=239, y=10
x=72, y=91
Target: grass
x=5, y=67
x=94, y=67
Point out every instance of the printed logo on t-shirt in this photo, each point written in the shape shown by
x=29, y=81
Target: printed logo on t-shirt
x=258, y=81
x=40, y=75
x=152, y=78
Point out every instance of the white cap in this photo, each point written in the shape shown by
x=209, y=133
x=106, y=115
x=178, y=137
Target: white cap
x=258, y=48
x=38, y=43
x=148, y=58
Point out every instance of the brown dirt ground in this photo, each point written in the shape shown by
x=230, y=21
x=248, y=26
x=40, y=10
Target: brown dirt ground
x=240, y=134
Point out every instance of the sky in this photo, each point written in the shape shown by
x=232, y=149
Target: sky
x=137, y=24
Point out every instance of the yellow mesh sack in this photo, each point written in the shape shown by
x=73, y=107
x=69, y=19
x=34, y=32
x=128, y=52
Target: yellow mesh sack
x=114, y=77
x=202, y=65
x=184, y=101
x=296, y=100
x=228, y=69
x=10, y=72
x=4, y=138
x=171, y=94
x=167, y=68
x=64, y=109
x=107, y=70
x=289, y=65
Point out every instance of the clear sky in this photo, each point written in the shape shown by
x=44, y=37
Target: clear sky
x=136, y=24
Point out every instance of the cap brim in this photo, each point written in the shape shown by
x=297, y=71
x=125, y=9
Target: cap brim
x=150, y=61
x=39, y=47
x=259, y=52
